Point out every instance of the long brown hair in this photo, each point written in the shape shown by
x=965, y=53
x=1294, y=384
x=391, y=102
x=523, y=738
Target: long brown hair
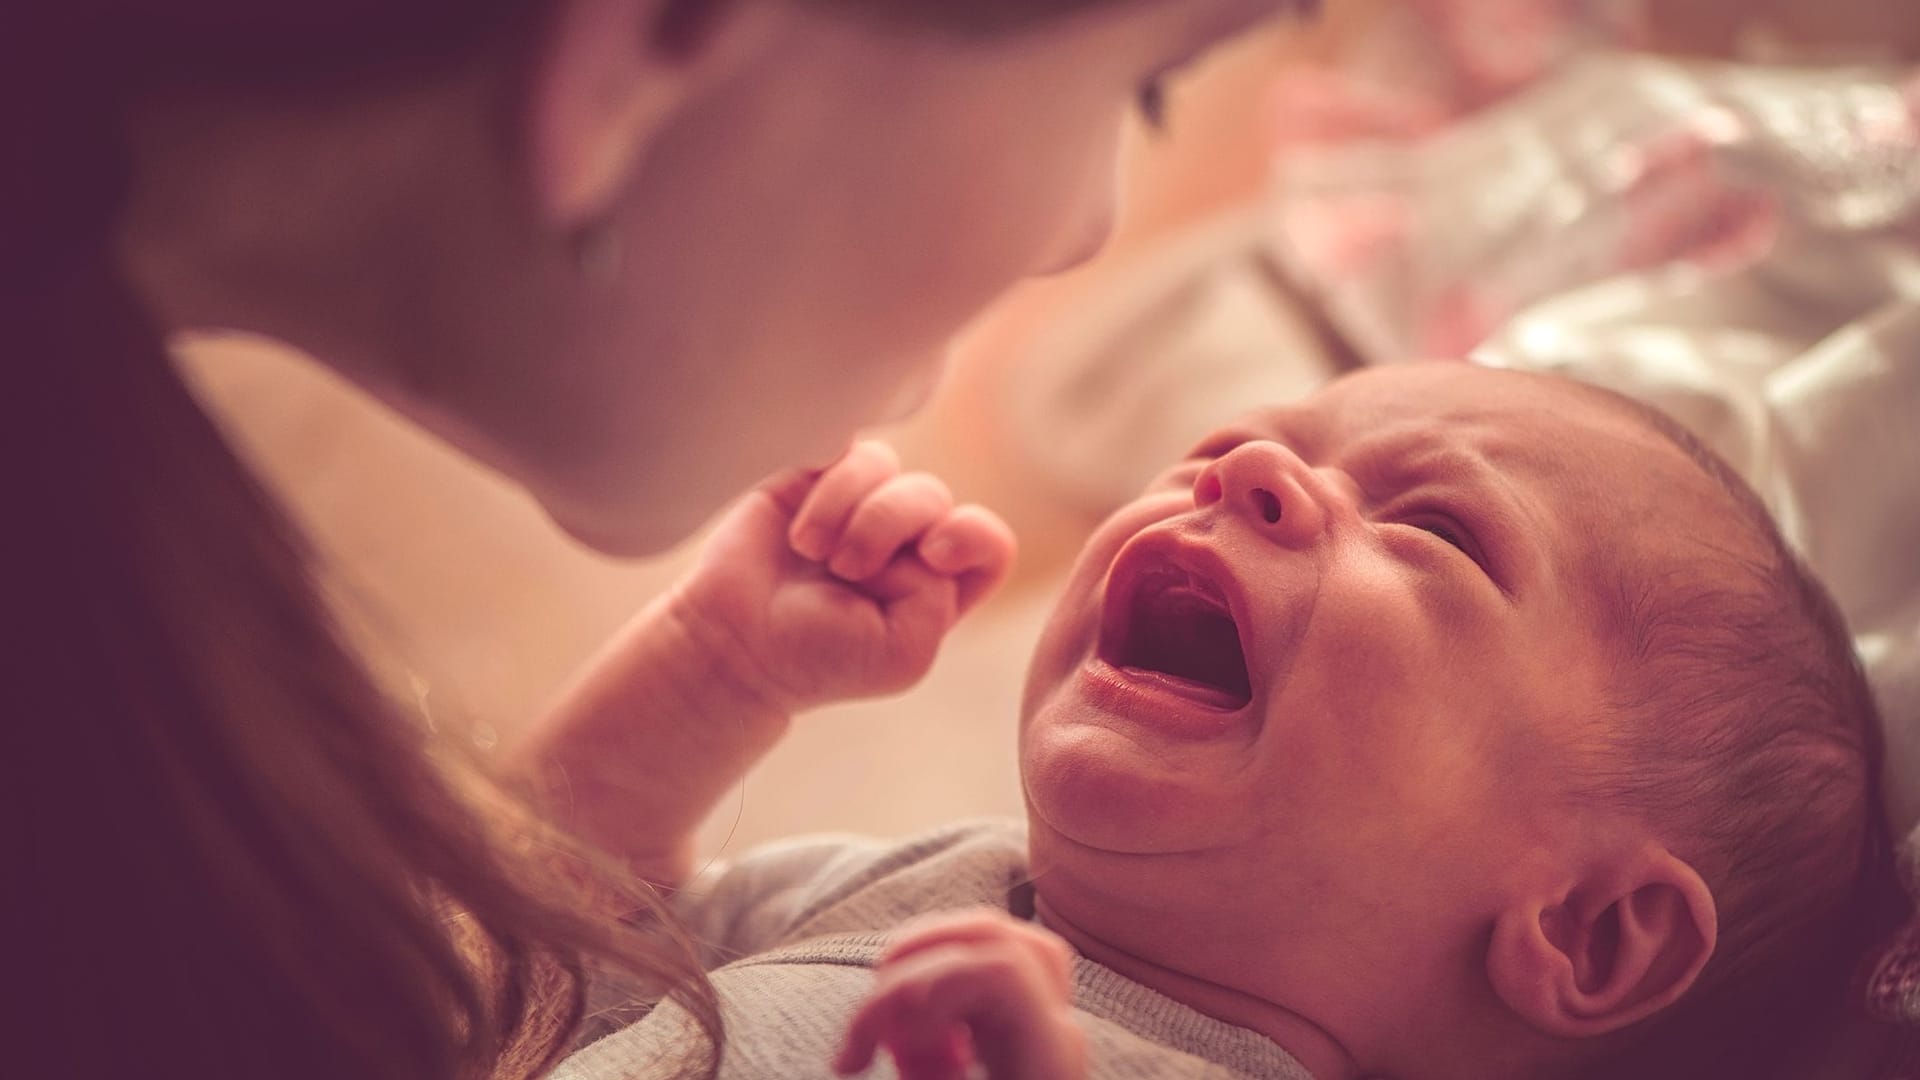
x=239, y=858
x=230, y=853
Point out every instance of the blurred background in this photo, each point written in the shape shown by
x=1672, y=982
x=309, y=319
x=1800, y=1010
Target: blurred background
x=1283, y=228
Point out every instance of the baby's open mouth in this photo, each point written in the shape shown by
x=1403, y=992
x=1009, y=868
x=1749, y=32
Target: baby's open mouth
x=1178, y=627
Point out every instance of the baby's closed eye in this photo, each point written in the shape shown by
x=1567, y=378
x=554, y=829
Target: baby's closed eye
x=1447, y=529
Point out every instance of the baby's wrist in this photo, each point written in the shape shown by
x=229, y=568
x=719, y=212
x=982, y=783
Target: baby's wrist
x=711, y=666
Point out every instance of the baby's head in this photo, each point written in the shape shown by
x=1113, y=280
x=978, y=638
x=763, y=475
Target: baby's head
x=1456, y=722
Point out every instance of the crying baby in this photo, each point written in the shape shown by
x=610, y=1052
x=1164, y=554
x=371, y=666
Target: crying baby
x=1449, y=724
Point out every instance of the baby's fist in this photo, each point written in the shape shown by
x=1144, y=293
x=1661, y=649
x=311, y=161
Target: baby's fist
x=843, y=583
x=863, y=514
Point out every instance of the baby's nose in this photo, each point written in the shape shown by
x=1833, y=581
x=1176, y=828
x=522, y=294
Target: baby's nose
x=1269, y=487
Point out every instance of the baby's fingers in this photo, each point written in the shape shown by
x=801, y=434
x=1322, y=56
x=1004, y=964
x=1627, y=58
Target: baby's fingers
x=888, y=519
x=993, y=992
x=788, y=489
x=919, y=607
x=824, y=513
x=919, y=1011
x=973, y=546
x=985, y=926
x=923, y=1047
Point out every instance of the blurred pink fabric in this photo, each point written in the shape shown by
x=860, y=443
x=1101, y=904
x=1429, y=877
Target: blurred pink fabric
x=1427, y=62
x=1390, y=161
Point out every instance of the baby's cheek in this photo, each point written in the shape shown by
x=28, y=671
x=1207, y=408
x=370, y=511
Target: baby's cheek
x=1067, y=639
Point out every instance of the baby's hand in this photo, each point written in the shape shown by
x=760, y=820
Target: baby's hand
x=841, y=584
x=966, y=987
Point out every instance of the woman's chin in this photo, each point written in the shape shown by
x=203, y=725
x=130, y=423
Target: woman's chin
x=626, y=535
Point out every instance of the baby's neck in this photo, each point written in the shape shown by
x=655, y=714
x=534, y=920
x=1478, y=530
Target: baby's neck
x=1309, y=1043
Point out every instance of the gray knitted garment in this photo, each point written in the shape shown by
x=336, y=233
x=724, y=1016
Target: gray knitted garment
x=793, y=932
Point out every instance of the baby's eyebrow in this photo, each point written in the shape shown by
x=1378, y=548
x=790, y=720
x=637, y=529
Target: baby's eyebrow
x=1429, y=461
x=1422, y=458
x=1500, y=510
x=1412, y=451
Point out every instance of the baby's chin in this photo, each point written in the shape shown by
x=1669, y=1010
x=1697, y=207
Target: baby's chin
x=1101, y=789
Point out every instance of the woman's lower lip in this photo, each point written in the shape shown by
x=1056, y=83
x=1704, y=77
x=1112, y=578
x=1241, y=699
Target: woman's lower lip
x=1160, y=701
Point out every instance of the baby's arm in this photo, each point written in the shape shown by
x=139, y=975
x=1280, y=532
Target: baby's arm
x=814, y=588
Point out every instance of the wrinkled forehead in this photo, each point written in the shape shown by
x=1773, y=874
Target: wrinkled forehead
x=1524, y=421
x=1585, y=476
x=1433, y=392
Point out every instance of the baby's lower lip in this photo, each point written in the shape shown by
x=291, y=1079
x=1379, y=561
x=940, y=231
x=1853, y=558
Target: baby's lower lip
x=1211, y=697
x=1160, y=701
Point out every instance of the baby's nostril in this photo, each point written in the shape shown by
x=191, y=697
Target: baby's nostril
x=1269, y=504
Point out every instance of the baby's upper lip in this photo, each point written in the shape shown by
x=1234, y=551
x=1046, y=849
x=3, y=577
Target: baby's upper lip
x=1155, y=551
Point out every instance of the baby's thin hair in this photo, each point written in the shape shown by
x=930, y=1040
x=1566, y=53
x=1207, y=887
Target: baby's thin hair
x=1753, y=734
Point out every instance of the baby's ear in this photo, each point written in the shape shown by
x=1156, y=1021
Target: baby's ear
x=1622, y=945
